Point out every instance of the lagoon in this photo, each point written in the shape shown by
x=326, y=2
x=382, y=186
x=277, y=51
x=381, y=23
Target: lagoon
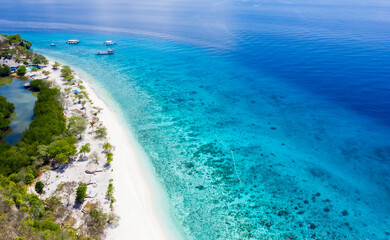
x=24, y=101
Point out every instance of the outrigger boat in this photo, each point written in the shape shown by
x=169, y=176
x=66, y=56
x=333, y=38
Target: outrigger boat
x=108, y=52
x=109, y=43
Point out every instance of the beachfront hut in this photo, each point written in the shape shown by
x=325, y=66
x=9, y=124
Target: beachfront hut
x=87, y=179
x=92, y=168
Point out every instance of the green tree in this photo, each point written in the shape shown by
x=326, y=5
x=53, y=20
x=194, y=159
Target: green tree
x=110, y=157
x=4, y=71
x=107, y=147
x=66, y=71
x=39, y=59
x=6, y=110
x=69, y=77
x=83, y=104
x=101, y=131
x=96, y=221
x=56, y=65
x=81, y=192
x=63, y=149
x=34, y=69
x=21, y=70
x=29, y=178
x=39, y=187
x=85, y=149
x=14, y=38
x=77, y=125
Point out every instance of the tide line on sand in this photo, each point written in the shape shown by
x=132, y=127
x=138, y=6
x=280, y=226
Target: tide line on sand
x=140, y=201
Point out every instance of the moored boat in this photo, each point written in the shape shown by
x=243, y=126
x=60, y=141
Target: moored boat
x=108, y=52
x=73, y=41
x=109, y=43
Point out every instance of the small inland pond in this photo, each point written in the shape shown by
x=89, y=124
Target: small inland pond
x=12, y=88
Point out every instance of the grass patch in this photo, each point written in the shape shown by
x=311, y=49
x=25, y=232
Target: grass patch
x=35, y=94
x=6, y=80
x=22, y=78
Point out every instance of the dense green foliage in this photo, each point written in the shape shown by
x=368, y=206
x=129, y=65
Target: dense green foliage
x=67, y=73
x=81, y=192
x=49, y=119
x=21, y=70
x=39, y=59
x=63, y=149
x=17, y=40
x=6, y=110
x=39, y=187
x=4, y=71
x=101, y=131
x=109, y=157
x=25, y=216
x=42, y=139
x=29, y=178
x=14, y=45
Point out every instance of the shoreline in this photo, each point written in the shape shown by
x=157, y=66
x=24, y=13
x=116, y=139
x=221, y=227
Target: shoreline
x=140, y=200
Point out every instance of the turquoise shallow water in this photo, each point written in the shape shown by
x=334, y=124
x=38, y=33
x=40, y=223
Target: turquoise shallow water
x=23, y=101
x=304, y=167
x=298, y=90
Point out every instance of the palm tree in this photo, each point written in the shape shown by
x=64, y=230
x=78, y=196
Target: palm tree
x=85, y=149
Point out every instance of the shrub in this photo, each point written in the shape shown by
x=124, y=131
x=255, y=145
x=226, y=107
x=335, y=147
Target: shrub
x=34, y=69
x=107, y=147
x=21, y=70
x=39, y=187
x=39, y=59
x=66, y=71
x=4, y=71
x=29, y=178
x=81, y=192
x=85, y=148
x=56, y=65
x=101, y=131
x=6, y=110
x=45, y=225
x=109, y=157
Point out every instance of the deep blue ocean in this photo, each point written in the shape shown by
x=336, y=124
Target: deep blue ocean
x=263, y=119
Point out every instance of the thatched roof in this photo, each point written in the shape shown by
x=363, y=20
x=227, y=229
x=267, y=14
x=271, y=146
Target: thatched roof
x=91, y=167
x=86, y=179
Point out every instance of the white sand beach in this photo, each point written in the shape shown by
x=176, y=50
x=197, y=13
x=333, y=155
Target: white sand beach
x=140, y=202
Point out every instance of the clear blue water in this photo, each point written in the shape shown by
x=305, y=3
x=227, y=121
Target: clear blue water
x=23, y=101
x=298, y=90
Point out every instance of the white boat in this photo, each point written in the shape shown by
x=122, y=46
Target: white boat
x=108, y=52
x=72, y=41
x=52, y=44
x=109, y=43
